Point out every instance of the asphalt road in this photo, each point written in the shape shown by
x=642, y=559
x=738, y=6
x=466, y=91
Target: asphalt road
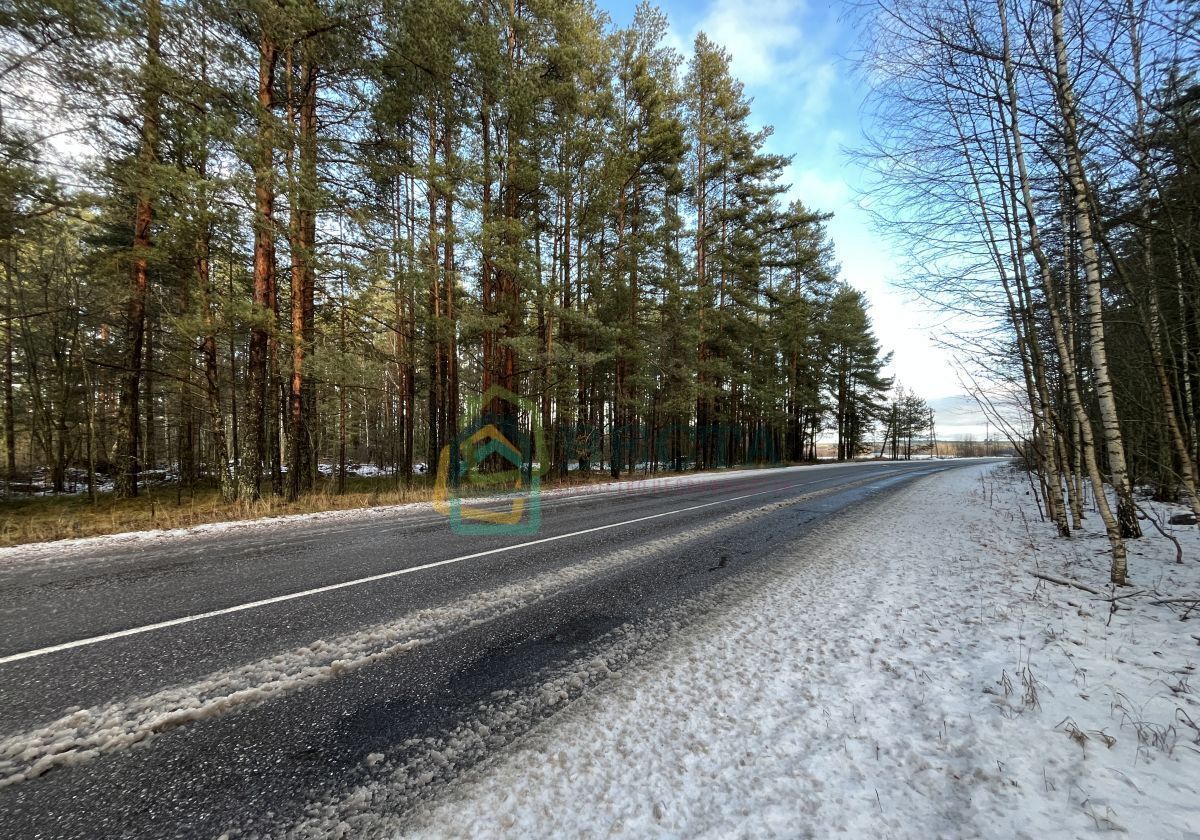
x=220, y=692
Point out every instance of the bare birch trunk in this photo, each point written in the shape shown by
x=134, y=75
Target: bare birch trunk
x=1044, y=433
x=1060, y=340
x=1187, y=467
x=1109, y=421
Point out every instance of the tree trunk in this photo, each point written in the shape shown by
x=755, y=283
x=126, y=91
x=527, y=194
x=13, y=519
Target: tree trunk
x=10, y=431
x=151, y=427
x=302, y=235
x=128, y=428
x=435, y=401
x=1068, y=370
x=449, y=284
x=500, y=408
x=1179, y=445
x=256, y=432
x=1110, y=422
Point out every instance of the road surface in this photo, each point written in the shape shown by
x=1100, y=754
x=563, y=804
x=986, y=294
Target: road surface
x=245, y=680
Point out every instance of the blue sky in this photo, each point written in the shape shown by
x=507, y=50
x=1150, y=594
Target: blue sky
x=795, y=59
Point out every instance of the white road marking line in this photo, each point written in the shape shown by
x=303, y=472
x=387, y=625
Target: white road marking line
x=554, y=497
x=359, y=581
x=188, y=619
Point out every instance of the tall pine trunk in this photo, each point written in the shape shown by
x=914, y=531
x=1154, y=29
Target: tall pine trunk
x=208, y=342
x=129, y=417
x=256, y=433
x=449, y=284
x=302, y=234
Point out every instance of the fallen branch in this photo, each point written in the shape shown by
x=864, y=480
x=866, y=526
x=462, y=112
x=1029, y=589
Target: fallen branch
x=1067, y=582
x=1153, y=520
x=1119, y=597
x=1193, y=603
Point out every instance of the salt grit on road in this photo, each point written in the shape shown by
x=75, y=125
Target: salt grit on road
x=904, y=676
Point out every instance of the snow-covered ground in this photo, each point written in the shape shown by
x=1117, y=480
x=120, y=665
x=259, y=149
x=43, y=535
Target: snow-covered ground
x=905, y=675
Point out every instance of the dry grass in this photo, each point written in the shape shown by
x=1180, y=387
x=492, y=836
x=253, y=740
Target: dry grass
x=39, y=518
x=36, y=519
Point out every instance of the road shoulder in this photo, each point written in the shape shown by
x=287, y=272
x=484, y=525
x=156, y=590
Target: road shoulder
x=905, y=676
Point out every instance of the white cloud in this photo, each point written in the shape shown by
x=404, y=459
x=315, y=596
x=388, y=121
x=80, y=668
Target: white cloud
x=818, y=86
x=761, y=36
x=675, y=40
x=817, y=190
x=786, y=53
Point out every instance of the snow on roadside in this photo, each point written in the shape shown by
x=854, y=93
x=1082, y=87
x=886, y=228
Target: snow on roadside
x=904, y=676
x=80, y=735
x=81, y=546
